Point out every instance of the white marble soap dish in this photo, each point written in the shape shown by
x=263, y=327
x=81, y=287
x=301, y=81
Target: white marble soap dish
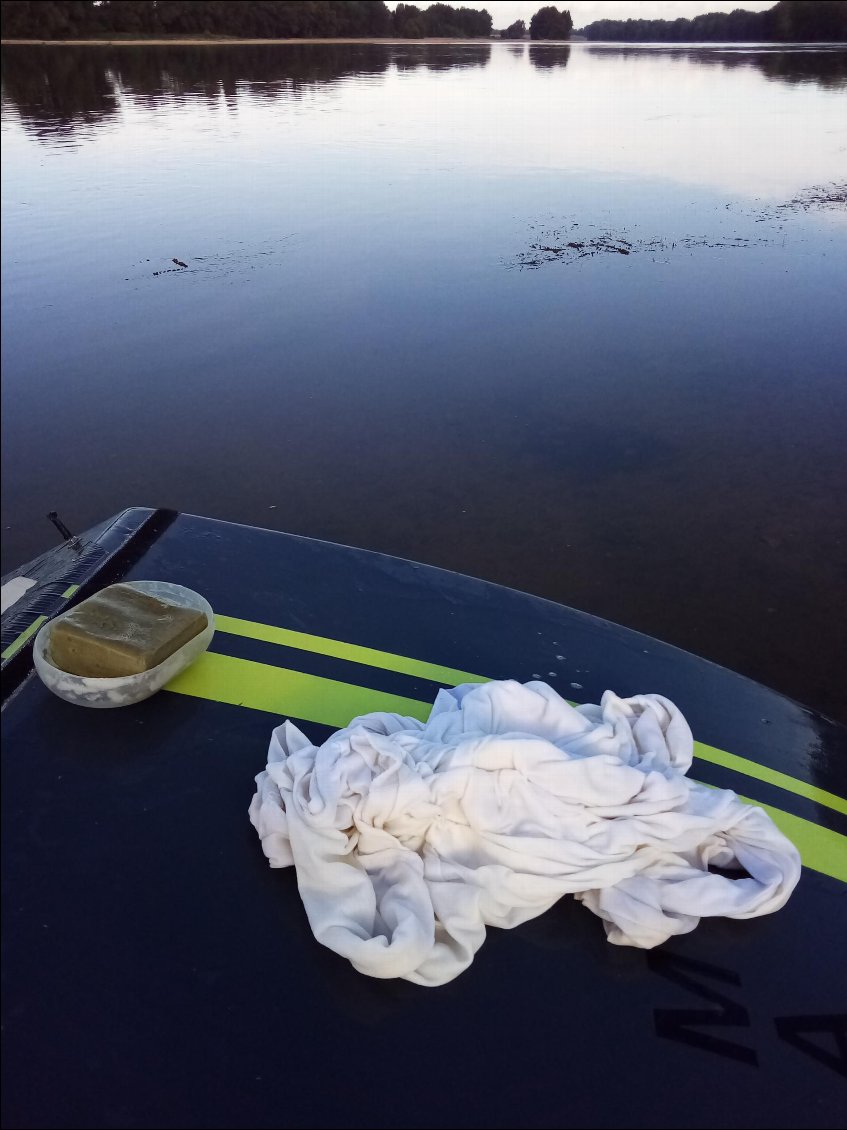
x=104, y=694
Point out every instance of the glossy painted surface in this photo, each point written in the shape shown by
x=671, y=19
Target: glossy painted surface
x=361, y=349
x=160, y=974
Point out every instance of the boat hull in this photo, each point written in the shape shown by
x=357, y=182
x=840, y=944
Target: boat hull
x=158, y=973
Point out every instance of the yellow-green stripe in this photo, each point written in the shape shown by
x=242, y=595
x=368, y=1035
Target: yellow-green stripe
x=402, y=664
x=281, y=691
x=820, y=848
x=330, y=702
x=770, y=776
x=353, y=652
x=18, y=643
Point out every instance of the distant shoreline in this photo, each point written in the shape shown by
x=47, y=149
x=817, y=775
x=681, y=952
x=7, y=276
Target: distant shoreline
x=226, y=41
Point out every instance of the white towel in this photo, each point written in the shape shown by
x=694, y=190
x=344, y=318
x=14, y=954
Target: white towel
x=410, y=837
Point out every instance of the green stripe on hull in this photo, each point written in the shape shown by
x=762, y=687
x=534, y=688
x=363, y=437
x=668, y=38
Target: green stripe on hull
x=279, y=690
x=450, y=676
x=18, y=643
x=820, y=848
x=329, y=702
x=355, y=653
x=770, y=776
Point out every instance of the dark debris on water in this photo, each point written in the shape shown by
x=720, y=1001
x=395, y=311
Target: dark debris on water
x=225, y=263
x=557, y=249
x=565, y=245
x=833, y=195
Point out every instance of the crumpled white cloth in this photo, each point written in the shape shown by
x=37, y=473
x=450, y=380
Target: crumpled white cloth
x=410, y=837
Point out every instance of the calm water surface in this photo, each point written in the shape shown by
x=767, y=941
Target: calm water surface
x=568, y=319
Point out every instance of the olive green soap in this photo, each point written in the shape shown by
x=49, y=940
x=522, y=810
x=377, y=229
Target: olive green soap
x=121, y=631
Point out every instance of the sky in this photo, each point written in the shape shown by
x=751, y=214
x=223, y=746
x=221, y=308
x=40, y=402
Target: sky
x=505, y=12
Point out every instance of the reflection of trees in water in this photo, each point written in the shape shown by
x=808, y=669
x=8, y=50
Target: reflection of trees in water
x=436, y=57
x=153, y=75
x=62, y=92
x=825, y=66
x=548, y=57
x=58, y=92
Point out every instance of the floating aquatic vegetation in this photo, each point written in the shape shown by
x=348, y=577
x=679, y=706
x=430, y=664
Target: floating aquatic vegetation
x=567, y=245
x=240, y=259
x=575, y=241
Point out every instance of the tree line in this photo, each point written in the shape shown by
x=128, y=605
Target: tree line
x=263, y=19
x=798, y=21
x=438, y=21
x=547, y=23
x=788, y=20
x=260, y=19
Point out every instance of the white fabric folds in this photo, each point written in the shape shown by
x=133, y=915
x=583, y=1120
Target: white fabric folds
x=410, y=837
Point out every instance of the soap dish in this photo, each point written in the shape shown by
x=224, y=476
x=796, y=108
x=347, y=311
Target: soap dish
x=104, y=694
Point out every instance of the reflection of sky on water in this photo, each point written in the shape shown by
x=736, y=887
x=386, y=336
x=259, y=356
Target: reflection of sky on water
x=612, y=110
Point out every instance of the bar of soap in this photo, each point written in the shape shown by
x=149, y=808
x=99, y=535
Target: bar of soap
x=121, y=631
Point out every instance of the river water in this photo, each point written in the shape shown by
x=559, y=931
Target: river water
x=570, y=319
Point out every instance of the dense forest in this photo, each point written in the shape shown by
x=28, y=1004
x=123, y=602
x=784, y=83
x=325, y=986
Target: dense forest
x=69, y=19
x=788, y=20
x=439, y=21
x=549, y=23
x=798, y=21
x=262, y=19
